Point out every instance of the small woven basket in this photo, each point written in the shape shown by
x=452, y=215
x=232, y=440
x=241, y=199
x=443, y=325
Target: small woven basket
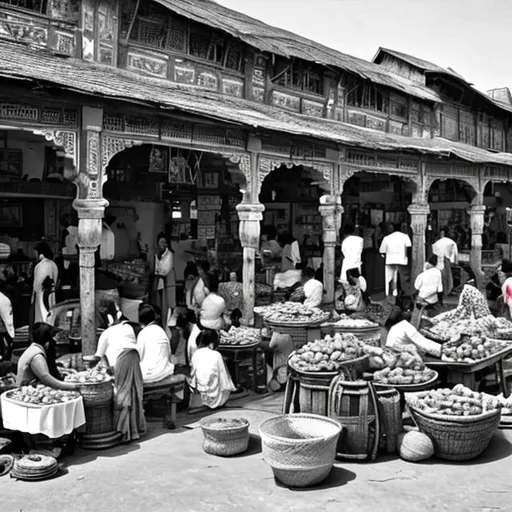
x=300, y=448
x=95, y=394
x=225, y=436
x=457, y=437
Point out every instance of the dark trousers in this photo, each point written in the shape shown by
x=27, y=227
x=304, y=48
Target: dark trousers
x=5, y=346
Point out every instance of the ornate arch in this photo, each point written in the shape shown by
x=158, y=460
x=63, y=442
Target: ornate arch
x=243, y=161
x=475, y=182
x=111, y=145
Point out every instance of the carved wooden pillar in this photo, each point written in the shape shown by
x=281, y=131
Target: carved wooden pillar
x=330, y=209
x=250, y=216
x=90, y=206
x=476, y=213
x=419, y=218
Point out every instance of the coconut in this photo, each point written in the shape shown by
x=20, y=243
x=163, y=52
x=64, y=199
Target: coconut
x=415, y=446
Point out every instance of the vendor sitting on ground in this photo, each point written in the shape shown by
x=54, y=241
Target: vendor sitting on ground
x=401, y=333
x=313, y=289
x=37, y=364
x=153, y=346
x=209, y=378
x=117, y=346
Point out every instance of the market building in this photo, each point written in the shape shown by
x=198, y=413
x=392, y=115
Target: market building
x=188, y=117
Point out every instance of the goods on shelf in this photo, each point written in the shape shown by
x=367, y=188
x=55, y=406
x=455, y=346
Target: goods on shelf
x=328, y=354
x=470, y=349
x=291, y=312
x=41, y=395
x=459, y=401
x=405, y=367
x=240, y=336
x=93, y=376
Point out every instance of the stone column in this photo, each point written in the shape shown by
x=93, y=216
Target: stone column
x=476, y=213
x=250, y=216
x=419, y=218
x=90, y=206
x=330, y=209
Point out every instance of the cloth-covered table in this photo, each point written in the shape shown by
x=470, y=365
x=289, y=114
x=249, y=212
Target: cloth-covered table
x=53, y=421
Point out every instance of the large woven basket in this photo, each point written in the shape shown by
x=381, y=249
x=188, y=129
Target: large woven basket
x=300, y=448
x=225, y=436
x=96, y=394
x=457, y=437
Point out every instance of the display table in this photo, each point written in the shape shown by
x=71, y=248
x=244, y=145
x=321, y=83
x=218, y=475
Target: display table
x=238, y=353
x=53, y=421
x=464, y=373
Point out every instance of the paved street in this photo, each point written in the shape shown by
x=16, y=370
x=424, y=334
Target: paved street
x=168, y=471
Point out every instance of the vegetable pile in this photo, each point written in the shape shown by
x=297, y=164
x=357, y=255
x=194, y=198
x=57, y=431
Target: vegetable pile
x=240, y=336
x=459, y=401
x=470, y=349
x=42, y=395
x=328, y=354
x=94, y=376
x=291, y=312
x=347, y=322
x=498, y=402
x=405, y=367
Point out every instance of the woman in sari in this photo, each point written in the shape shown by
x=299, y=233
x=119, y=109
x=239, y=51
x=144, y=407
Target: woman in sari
x=118, y=347
x=46, y=274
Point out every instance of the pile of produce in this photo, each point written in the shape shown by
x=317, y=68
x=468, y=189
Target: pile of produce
x=74, y=362
x=498, y=402
x=291, y=312
x=405, y=367
x=472, y=317
x=459, y=401
x=470, y=349
x=42, y=395
x=326, y=355
x=240, y=336
x=94, y=376
x=348, y=322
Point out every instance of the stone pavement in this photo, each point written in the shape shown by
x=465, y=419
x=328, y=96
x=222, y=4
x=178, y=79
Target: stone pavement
x=168, y=471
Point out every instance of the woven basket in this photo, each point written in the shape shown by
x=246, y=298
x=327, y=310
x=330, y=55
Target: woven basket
x=224, y=436
x=457, y=437
x=300, y=448
x=96, y=394
x=99, y=419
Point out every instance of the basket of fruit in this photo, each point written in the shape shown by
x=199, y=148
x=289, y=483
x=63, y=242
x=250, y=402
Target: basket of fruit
x=240, y=337
x=458, y=421
x=96, y=386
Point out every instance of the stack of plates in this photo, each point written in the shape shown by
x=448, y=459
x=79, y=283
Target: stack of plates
x=34, y=468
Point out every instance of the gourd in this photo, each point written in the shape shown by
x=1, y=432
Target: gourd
x=415, y=446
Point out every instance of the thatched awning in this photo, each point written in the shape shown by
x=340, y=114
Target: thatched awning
x=22, y=63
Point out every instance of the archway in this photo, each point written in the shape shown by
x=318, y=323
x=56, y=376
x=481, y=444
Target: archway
x=497, y=199
x=373, y=203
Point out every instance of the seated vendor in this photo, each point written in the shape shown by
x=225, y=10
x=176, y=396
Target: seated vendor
x=209, y=376
x=313, y=289
x=37, y=364
x=429, y=284
x=354, y=287
x=402, y=333
x=118, y=346
x=153, y=346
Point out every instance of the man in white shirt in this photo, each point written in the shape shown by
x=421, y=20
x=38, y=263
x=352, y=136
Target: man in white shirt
x=395, y=248
x=313, y=289
x=429, y=283
x=351, y=248
x=448, y=254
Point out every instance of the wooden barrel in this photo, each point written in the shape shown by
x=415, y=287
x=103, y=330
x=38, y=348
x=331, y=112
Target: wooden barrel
x=314, y=392
x=301, y=334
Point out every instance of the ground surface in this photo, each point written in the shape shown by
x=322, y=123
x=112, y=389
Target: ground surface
x=168, y=471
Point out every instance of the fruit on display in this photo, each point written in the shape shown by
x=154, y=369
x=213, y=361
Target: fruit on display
x=470, y=349
x=401, y=368
x=415, y=446
x=327, y=354
x=472, y=304
x=291, y=312
x=459, y=401
x=240, y=336
x=41, y=395
x=94, y=376
x=345, y=321
x=498, y=402
x=74, y=362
